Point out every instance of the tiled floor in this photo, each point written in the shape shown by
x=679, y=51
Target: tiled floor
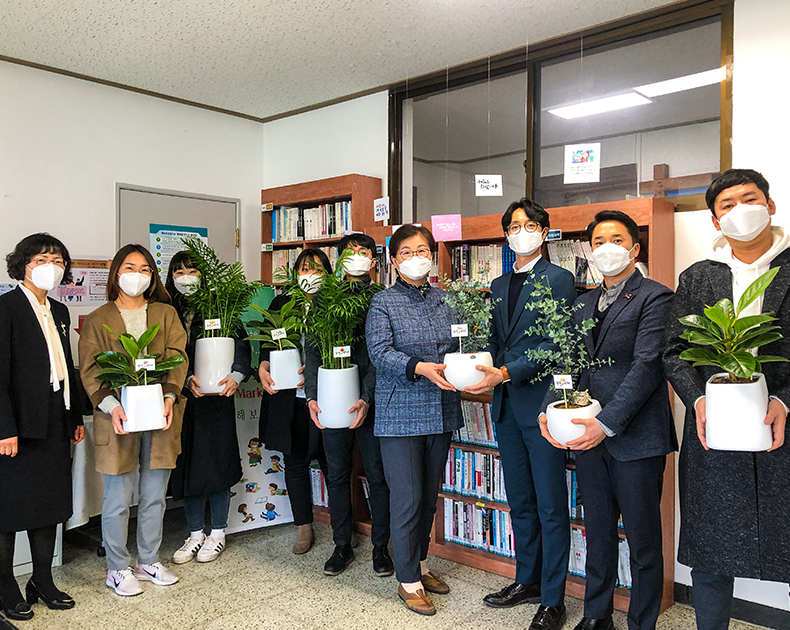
x=259, y=583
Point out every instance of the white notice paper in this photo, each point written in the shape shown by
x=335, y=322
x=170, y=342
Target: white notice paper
x=381, y=209
x=488, y=186
x=582, y=163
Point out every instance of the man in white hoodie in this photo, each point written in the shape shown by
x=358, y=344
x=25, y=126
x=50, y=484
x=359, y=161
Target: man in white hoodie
x=733, y=505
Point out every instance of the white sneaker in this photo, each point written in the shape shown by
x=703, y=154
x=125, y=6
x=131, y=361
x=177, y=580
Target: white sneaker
x=188, y=550
x=124, y=582
x=156, y=573
x=211, y=549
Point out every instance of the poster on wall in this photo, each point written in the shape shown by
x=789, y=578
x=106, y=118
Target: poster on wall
x=582, y=163
x=260, y=499
x=88, y=286
x=166, y=241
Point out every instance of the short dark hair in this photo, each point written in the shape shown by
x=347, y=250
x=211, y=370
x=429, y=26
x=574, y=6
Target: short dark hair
x=317, y=256
x=156, y=291
x=180, y=260
x=614, y=215
x=407, y=231
x=534, y=211
x=735, y=177
x=30, y=247
x=358, y=239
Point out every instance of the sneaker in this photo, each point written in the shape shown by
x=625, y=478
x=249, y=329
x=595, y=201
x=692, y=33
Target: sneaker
x=211, y=549
x=156, y=573
x=124, y=582
x=188, y=550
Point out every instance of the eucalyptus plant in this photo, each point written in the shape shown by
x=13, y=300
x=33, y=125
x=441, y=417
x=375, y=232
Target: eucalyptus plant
x=569, y=354
x=472, y=300
x=118, y=368
x=223, y=292
x=290, y=318
x=730, y=340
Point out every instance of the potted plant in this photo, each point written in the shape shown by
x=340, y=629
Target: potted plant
x=736, y=399
x=280, y=332
x=473, y=303
x=564, y=363
x=138, y=376
x=220, y=299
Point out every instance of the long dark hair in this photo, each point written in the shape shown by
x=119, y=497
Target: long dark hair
x=180, y=260
x=156, y=292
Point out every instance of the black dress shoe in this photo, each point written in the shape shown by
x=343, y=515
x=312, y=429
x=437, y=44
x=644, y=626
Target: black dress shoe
x=341, y=558
x=595, y=624
x=382, y=563
x=62, y=601
x=20, y=612
x=548, y=618
x=513, y=595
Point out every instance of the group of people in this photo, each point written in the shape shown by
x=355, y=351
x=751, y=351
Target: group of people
x=732, y=503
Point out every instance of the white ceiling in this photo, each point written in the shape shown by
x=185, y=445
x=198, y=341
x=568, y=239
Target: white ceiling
x=267, y=57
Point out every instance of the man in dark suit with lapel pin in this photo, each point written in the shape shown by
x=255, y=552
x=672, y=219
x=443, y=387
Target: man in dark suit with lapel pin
x=621, y=456
x=733, y=505
x=534, y=471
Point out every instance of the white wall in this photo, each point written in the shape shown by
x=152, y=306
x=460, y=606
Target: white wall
x=64, y=143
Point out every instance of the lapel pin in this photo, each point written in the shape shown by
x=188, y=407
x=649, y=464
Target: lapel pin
x=628, y=296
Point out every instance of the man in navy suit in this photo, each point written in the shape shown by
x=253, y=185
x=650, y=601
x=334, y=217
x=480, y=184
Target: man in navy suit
x=621, y=456
x=534, y=471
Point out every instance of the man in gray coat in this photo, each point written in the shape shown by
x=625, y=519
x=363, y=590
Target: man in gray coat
x=733, y=505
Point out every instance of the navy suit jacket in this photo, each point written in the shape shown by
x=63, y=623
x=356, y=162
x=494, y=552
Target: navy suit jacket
x=509, y=342
x=633, y=391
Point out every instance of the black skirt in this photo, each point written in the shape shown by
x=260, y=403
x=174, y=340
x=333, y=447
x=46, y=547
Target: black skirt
x=35, y=486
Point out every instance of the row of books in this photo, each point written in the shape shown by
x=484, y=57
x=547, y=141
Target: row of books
x=481, y=263
x=575, y=505
x=479, y=527
x=318, y=486
x=474, y=475
x=576, y=257
x=287, y=257
x=478, y=427
x=577, y=560
x=329, y=220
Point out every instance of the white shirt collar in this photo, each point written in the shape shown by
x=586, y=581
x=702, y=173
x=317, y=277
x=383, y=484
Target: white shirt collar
x=528, y=267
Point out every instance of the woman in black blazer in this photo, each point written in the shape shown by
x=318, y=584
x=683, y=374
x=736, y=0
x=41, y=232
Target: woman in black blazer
x=285, y=423
x=39, y=416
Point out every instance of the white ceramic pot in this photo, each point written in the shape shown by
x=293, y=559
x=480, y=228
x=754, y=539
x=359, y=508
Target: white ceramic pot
x=560, y=426
x=736, y=414
x=213, y=362
x=144, y=406
x=460, y=370
x=338, y=390
x=284, y=366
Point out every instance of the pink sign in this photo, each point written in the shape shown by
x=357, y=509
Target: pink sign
x=446, y=227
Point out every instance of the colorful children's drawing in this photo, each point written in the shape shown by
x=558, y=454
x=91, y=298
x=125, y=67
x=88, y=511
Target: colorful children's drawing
x=255, y=451
x=251, y=487
x=245, y=516
x=277, y=466
x=276, y=491
x=269, y=514
x=583, y=157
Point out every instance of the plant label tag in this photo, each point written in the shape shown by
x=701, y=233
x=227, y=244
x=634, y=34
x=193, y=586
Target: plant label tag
x=279, y=333
x=460, y=330
x=145, y=364
x=341, y=352
x=211, y=324
x=563, y=381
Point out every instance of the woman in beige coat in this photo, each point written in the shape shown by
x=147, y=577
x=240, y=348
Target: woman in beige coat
x=136, y=300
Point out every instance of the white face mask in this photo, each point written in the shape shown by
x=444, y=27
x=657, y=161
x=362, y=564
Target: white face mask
x=186, y=285
x=46, y=277
x=309, y=283
x=745, y=221
x=611, y=259
x=134, y=284
x=357, y=265
x=525, y=243
x=415, y=267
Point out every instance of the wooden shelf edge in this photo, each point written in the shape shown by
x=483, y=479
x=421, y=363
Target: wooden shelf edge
x=474, y=448
x=494, y=505
x=477, y=558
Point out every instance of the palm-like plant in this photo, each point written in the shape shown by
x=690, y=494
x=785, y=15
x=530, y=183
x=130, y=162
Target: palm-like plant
x=729, y=341
x=289, y=318
x=223, y=292
x=119, y=369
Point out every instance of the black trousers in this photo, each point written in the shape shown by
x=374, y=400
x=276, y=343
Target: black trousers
x=338, y=446
x=297, y=466
x=414, y=466
x=609, y=488
x=712, y=599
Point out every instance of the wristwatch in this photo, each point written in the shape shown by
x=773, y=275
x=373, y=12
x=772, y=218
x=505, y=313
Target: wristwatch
x=505, y=375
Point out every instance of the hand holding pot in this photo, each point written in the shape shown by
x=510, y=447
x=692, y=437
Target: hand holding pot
x=230, y=386
x=301, y=383
x=777, y=417
x=699, y=413
x=193, y=384
x=314, y=411
x=267, y=382
x=79, y=435
x=434, y=372
x=543, y=422
x=593, y=435
x=168, y=412
x=493, y=377
x=118, y=418
x=9, y=446
x=361, y=408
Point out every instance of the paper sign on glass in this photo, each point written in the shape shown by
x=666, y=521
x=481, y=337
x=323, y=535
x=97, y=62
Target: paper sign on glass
x=446, y=227
x=145, y=364
x=488, y=186
x=381, y=209
x=211, y=324
x=563, y=381
x=279, y=333
x=460, y=330
x=582, y=163
x=341, y=352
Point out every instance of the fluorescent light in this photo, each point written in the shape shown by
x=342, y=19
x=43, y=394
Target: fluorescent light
x=600, y=106
x=680, y=84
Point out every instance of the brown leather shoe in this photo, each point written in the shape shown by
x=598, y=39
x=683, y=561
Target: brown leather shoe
x=434, y=584
x=304, y=538
x=419, y=602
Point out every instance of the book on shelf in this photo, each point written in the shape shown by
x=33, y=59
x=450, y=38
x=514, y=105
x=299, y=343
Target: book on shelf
x=366, y=492
x=329, y=220
x=575, y=256
x=481, y=263
x=474, y=474
x=478, y=527
x=318, y=486
x=577, y=560
x=478, y=427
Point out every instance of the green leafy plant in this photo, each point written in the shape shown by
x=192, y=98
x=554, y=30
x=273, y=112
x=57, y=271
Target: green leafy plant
x=290, y=317
x=729, y=341
x=474, y=304
x=118, y=369
x=223, y=292
x=555, y=321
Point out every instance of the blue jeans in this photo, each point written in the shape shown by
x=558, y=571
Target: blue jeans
x=195, y=510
